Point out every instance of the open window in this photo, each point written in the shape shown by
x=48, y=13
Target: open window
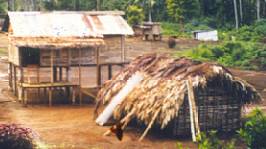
x=29, y=56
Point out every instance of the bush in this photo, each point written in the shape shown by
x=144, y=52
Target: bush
x=254, y=130
x=135, y=15
x=244, y=55
x=13, y=136
x=211, y=141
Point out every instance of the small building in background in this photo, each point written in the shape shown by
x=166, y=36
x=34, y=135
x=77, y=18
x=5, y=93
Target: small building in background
x=149, y=30
x=205, y=35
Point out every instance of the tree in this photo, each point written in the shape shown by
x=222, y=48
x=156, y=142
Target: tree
x=181, y=10
x=236, y=14
x=258, y=9
x=135, y=15
x=241, y=10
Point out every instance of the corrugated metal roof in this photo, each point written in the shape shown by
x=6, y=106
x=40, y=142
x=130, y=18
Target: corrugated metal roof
x=67, y=24
x=110, y=25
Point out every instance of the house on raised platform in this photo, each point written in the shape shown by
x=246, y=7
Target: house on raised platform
x=45, y=46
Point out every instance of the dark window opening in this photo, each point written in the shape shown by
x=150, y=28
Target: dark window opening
x=29, y=56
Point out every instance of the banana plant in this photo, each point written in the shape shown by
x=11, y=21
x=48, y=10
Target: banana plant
x=149, y=3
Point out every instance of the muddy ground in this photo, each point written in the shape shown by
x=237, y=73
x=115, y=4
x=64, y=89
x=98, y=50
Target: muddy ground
x=72, y=126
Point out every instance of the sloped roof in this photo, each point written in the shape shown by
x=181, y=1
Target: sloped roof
x=56, y=43
x=159, y=96
x=67, y=24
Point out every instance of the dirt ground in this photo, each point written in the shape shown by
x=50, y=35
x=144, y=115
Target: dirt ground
x=66, y=126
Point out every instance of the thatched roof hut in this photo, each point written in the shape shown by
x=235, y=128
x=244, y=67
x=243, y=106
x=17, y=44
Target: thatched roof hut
x=162, y=96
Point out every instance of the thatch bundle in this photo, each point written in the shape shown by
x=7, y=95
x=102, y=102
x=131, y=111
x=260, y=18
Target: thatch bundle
x=160, y=95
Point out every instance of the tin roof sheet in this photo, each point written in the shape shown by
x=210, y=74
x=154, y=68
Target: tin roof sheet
x=67, y=24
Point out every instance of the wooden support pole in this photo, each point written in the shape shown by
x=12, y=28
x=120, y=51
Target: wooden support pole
x=38, y=81
x=54, y=73
x=195, y=130
x=150, y=125
x=60, y=74
x=80, y=98
x=20, y=95
x=52, y=77
x=109, y=72
x=10, y=75
x=123, y=52
x=50, y=96
x=68, y=67
x=15, y=81
x=73, y=95
x=25, y=96
x=52, y=66
x=98, y=68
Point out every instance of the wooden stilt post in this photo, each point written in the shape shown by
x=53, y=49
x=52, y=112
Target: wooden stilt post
x=38, y=81
x=25, y=97
x=98, y=68
x=80, y=96
x=123, y=52
x=55, y=73
x=20, y=96
x=60, y=74
x=67, y=73
x=110, y=72
x=50, y=96
x=73, y=95
x=10, y=75
x=15, y=81
x=51, y=77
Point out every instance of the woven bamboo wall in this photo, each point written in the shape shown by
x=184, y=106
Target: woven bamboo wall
x=219, y=108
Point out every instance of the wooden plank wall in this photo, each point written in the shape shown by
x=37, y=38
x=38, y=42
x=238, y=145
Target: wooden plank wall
x=61, y=57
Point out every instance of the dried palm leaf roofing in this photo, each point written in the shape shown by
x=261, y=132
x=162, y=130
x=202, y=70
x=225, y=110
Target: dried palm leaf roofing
x=163, y=89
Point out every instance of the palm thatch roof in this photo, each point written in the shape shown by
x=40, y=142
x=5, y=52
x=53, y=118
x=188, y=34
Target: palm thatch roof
x=160, y=95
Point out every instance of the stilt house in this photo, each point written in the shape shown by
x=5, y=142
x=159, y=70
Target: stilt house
x=45, y=46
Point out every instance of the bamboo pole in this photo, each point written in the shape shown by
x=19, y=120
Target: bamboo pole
x=192, y=110
x=192, y=124
x=124, y=122
x=195, y=111
x=150, y=124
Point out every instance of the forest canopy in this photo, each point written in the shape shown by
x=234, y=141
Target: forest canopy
x=217, y=13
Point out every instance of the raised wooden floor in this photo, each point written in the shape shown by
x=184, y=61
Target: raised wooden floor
x=50, y=86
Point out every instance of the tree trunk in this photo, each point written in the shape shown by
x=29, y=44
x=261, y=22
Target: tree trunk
x=258, y=10
x=150, y=8
x=77, y=5
x=10, y=5
x=241, y=10
x=98, y=3
x=236, y=15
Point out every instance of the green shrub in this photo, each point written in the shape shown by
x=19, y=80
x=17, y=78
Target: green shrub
x=211, y=141
x=244, y=55
x=135, y=15
x=254, y=130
